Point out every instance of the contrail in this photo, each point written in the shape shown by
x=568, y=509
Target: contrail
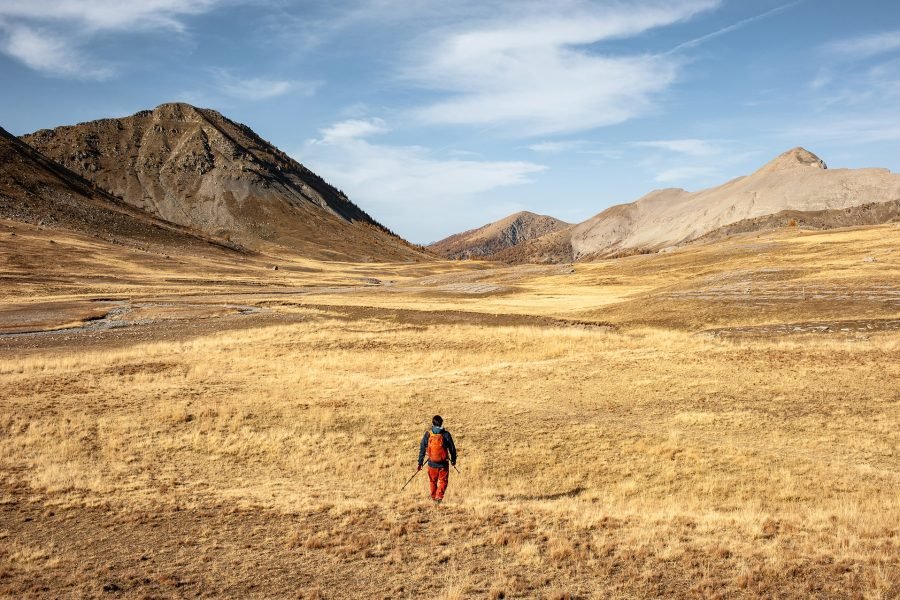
x=730, y=28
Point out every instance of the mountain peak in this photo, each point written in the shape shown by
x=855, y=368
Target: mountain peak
x=495, y=237
x=197, y=168
x=519, y=216
x=183, y=112
x=792, y=159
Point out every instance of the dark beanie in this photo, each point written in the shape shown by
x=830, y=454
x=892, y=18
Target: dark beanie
x=437, y=421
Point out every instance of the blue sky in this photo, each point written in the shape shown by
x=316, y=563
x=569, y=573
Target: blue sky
x=441, y=115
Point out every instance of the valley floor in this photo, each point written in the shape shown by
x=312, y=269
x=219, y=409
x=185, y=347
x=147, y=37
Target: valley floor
x=720, y=421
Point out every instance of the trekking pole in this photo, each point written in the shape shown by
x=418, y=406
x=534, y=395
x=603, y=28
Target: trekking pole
x=410, y=479
x=457, y=470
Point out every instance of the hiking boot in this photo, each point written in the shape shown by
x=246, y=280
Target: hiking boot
x=437, y=501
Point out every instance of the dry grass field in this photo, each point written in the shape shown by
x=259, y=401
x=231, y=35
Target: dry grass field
x=719, y=422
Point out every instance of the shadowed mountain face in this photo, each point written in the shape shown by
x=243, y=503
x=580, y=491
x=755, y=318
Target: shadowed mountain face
x=487, y=241
x=794, y=183
x=194, y=167
x=39, y=191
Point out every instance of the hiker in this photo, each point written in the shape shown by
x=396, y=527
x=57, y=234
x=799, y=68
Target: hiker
x=437, y=443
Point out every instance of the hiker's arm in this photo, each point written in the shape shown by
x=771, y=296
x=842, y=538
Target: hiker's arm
x=451, y=447
x=422, y=449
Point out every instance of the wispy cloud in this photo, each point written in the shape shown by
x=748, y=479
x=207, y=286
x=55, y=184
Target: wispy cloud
x=733, y=27
x=690, y=147
x=534, y=72
x=694, y=163
x=351, y=129
x=852, y=130
x=849, y=85
x=50, y=36
x=45, y=51
x=556, y=147
x=261, y=88
x=403, y=184
x=99, y=15
x=866, y=46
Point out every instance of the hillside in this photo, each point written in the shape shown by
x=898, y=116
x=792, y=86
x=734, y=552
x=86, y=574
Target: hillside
x=487, y=241
x=873, y=213
x=196, y=168
x=38, y=191
x=795, y=183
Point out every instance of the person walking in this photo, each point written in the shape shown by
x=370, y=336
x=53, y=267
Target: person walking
x=437, y=445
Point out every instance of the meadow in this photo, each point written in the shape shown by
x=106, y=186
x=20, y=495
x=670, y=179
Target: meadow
x=634, y=428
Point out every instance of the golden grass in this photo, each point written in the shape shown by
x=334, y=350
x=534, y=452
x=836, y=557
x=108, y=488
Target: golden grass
x=759, y=456
x=646, y=461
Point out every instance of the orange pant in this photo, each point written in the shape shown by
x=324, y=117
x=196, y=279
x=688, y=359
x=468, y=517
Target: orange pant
x=437, y=479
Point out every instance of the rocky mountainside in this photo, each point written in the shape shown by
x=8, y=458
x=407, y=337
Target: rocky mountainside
x=37, y=190
x=797, y=181
x=196, y=168
x=487, y=241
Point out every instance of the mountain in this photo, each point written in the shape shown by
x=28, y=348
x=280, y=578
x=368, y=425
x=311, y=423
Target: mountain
x=797, y=181
x=37, y=190
x=194, y=167
x=492, y=238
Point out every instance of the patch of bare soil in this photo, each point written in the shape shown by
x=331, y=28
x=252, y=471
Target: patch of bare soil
x=46, y=316
x=63, y=341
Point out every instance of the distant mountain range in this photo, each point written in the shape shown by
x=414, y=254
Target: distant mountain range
x=184, y=176
x=795, y=188
x=195, y=168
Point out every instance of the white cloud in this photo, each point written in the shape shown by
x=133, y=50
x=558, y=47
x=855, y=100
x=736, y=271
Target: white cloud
x=99, y=15
x=676, y=174
x=412, y=190
x=261, y=88
x=351, y=129
x=691, y=147
x=556, y=147
x=49, y=35
x=532, y=70
x=43, y=51
x=866, y=46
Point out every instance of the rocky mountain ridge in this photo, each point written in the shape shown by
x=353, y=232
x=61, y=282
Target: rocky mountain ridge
x=194, y=167
x=39, y=191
